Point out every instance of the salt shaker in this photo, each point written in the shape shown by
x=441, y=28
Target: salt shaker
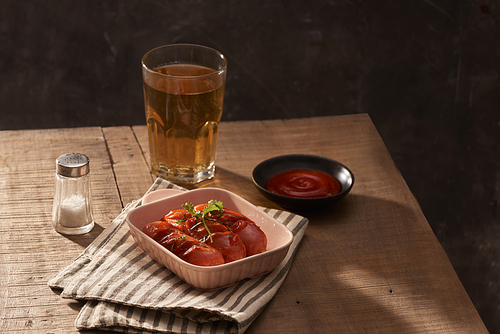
x=72, y=210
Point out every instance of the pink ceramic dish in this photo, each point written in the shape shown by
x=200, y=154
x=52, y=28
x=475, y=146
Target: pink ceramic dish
x=279, y=238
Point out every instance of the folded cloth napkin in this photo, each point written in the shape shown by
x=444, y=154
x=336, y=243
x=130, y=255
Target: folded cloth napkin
x=126, y=291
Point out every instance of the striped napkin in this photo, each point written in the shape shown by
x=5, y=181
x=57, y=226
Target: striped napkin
x=126, y=291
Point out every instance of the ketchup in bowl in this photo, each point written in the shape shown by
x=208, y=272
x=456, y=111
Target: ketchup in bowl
x=303, y=183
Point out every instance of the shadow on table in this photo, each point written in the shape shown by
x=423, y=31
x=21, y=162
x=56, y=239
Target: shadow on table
x=85, y=239
x=384, y=271
x=236, y=183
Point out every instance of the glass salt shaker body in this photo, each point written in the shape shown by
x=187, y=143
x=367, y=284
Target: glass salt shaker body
x=72, y=209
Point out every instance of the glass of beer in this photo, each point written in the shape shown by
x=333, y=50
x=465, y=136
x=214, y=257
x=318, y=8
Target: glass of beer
x=183, y=95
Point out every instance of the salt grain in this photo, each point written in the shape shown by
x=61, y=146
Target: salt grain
x=73, y=212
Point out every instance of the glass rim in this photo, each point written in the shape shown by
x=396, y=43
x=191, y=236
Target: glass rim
x=187, y=77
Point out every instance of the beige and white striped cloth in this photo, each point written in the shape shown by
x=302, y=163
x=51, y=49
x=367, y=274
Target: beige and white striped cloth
x=126, y=291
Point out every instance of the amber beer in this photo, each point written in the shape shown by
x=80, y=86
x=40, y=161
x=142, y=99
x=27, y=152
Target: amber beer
x=183, y=103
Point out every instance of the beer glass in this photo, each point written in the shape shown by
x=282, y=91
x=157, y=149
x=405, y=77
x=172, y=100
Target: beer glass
x=183, y=96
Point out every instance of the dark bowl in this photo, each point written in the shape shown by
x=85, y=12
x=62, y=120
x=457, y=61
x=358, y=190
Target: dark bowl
x=266, y=169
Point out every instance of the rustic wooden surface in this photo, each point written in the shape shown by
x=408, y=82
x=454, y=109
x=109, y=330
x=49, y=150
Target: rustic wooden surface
x=371, y=263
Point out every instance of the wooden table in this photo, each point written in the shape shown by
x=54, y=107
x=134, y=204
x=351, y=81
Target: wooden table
x=369, y=264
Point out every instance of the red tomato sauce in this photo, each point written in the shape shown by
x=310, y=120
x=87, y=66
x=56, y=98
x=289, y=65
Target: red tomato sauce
x=214, y=238
x=303, y=183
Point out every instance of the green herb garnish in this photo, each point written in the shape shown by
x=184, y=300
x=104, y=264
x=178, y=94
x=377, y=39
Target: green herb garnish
x=183, y=219
x=173, y=244
x=212, y=206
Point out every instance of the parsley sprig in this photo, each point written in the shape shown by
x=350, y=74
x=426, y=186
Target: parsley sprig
x=211, y=207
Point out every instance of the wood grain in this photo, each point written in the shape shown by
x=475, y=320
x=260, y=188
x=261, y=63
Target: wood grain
x=31, y=252
x=130, y=167
x=371, y=263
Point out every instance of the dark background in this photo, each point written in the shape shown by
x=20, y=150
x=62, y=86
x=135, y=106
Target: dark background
x=425, y=71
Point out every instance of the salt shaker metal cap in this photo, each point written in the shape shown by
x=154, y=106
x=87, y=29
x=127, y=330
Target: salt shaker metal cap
x=72, y=165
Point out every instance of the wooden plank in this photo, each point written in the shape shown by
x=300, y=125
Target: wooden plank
x=129, y=164
x=371, y=263
x=31, y=252
x=141, y=134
